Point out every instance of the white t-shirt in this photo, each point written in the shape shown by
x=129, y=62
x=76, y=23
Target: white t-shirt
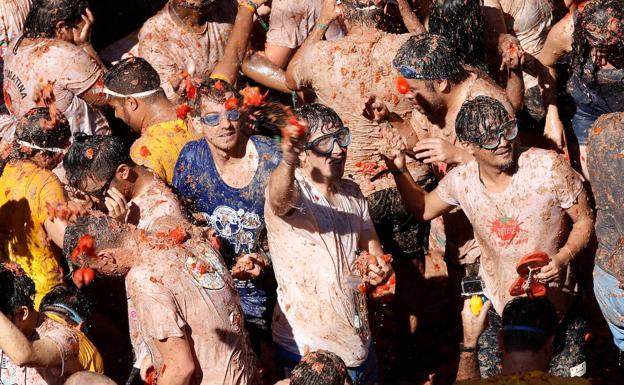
x=528, y=216
x=313, y=251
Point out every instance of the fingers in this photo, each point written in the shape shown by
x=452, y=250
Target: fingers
x=115, y=202
x=90, y=15
x=484, y=310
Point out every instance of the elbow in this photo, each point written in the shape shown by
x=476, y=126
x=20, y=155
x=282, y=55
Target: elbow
x=290, y=80
x=23, y=358
x=186, y=370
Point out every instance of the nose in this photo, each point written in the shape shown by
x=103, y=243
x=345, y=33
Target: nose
x=225, y=123
x=337, y=151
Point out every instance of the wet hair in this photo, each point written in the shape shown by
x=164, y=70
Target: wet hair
x=479, y=118
x=527, y=324
x=67, y=297
x=43, y=129
x=45, y=14
x=320, y=368
x=461, y=23
x=364, y=12
x=132, y=75
x=597, y=12
x=319, y=117
x=214, y=90
x=95, y=156
x=107, y=232
x=432, y=57
x=16, y=288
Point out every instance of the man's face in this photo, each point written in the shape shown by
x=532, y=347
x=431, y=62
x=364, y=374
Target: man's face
x=197, y=4
x=503, y=157
x=220, y=126
x=424, y=97
x=328, y=167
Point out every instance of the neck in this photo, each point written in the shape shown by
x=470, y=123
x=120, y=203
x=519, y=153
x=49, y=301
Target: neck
x=326, y=186
x=161, y=111
x=522, y=362
x=362, y=30
x=493, y=175
x=223, y=157
x=144, y=179
x=191, y=17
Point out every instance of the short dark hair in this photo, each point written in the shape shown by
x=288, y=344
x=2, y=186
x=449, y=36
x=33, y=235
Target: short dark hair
x=107, y=233
x=478, y=118
x=69, y=298
x=45, y=14
x=96, y=156
x=43, y=129
x=319, y=117
x=366, y=12
x=16, y=288
x=320, y=368
x=214, y=90
x=132, y=75
x=431, y=57
x=527, y=324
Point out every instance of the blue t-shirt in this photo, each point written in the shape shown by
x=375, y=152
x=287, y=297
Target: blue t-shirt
x=237, y=214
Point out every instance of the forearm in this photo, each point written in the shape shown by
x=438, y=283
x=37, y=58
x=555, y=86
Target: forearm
x=515, y=89
x=171, y=376
x=236, y=45
x=412, y=194
x=282, y=192
x=468, y=367
x=409, y=18
x=548, y=83
x=13, y=343
x=577, y=240
x=262, y=70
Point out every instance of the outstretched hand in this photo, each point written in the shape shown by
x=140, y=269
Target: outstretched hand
x=82, y=35
x=375, y=109
x=293, y=140
x=473, y=325
x=393, y=149
x=511, y=52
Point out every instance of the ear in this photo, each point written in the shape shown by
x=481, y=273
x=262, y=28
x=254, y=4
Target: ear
x=131, y=103
x=60, y=25
x=22, y=313
x=443, y=86
x=123, y=171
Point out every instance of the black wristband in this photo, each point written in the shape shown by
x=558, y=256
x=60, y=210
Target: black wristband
x=464, y=349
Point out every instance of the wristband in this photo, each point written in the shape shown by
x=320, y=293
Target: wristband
x=322, y=26
x=249, y=5
x=464, y=349
x=220, y=77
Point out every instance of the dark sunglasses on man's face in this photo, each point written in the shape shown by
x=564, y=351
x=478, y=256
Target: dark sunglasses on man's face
x=508, y=130
x=324, y=145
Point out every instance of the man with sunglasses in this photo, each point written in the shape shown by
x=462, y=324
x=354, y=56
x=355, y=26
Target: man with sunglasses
x=318, y=224
x=222, y=178
x=518, y=201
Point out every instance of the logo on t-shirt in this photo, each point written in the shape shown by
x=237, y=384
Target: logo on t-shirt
x=207, y=271
x=237, y=227
x=508, y=230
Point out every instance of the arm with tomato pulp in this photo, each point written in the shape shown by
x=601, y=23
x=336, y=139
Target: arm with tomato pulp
x=179, y=366
x=41, y=353
x=410, y=19
x=236, y=47
x=329, y=13
x=558, y=43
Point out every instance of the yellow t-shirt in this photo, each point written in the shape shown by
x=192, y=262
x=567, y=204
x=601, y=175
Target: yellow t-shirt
x=25, y=189
x=529, y=378
x=159, y=146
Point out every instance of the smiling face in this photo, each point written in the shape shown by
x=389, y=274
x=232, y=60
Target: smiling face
x=325, y=167
x=226, y=133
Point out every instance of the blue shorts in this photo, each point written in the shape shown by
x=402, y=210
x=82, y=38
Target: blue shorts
x=611, y=300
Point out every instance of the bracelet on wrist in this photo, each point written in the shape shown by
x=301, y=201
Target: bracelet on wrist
x=322, y=26
x=249, y=5
x=467, y=349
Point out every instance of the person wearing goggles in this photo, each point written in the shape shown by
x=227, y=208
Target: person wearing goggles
x=323, y=219
x=518, y=201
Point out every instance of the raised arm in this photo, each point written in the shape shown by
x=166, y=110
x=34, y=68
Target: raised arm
x=283, y=194
x=410, y=19
x=558, y=43
x=236, y=47
x=329, y=13
x=42, y=353
x=259, y=68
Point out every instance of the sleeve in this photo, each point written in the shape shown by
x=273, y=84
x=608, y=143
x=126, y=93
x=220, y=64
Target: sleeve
x=181, y=173
x=152, y=48
x=81, y=72
x=447, y=188
x=567, y=183
x=287, y=25
x=156, y=311
x=145, y=154
x=51, y=192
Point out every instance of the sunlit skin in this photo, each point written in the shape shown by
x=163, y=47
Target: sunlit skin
x=225, y=136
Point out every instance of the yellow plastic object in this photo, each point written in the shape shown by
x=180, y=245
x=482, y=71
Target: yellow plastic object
x=476, y=304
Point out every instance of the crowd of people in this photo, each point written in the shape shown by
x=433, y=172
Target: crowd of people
x=200, y=211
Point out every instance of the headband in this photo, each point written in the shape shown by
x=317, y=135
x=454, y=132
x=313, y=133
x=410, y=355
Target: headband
x=35, y=147
x=522, y=328
x=71, y=312
x=108, y=91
